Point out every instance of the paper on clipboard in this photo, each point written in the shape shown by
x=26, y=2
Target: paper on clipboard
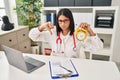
x=56, y=69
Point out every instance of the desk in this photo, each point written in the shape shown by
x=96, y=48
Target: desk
x=87, y=69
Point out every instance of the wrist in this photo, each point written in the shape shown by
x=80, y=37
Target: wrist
x=40, y=28
x=91, y=33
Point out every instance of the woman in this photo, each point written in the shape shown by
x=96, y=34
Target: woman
x=62, y=39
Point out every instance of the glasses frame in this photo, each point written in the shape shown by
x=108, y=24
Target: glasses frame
x=65, y=21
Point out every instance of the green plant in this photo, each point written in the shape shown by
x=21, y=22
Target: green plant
x=29, y=12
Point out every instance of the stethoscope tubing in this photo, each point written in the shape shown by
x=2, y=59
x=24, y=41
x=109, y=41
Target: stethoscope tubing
x=59, y=39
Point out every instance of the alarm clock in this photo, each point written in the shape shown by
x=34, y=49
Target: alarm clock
x=81, y=34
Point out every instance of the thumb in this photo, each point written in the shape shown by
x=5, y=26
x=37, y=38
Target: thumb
x=50, y=31
x=50, y=25
x=48, y=28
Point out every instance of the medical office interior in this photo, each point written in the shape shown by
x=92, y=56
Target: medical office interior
x=102, y=15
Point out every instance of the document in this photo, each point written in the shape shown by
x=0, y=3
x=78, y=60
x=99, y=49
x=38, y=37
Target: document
x=62, y=68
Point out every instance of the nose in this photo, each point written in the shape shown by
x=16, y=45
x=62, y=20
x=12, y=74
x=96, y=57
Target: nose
x=62, y=23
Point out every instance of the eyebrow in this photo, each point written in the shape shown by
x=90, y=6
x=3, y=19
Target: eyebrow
x=63, y=19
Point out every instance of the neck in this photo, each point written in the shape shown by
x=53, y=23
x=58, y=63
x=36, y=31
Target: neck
x=65, y=33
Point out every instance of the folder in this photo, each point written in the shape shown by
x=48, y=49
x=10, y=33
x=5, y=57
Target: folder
x=48, y=17
x=62, y=68
x=51, y=17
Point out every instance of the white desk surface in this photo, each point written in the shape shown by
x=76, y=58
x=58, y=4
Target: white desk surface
x=87, y=69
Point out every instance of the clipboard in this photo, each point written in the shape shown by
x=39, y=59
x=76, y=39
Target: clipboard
x=55, y=68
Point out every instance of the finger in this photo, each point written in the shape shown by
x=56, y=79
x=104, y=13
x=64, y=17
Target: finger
x=49, y=30
x=87, y=25
x=83, y=25
x=51, y=25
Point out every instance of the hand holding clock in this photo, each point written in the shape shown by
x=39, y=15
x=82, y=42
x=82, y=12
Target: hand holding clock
x=81, y=31
x=86, y=26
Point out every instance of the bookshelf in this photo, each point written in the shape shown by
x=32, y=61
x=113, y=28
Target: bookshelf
x=108, y=35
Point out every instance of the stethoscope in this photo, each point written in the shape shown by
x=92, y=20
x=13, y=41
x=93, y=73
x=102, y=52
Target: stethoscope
x=59, y=43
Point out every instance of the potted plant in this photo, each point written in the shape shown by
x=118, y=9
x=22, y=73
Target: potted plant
x=29, y=12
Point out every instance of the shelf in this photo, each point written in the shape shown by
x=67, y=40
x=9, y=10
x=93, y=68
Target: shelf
x=103, y=30
x=104, y=51
x=106, y=8
x=50, y=8
x=106, y=47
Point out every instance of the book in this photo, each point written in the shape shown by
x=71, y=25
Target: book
x=48, y=17
x=51, y=17
x=62, y=68
x=54, y=19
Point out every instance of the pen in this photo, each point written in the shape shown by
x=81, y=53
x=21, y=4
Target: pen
x=66, y=69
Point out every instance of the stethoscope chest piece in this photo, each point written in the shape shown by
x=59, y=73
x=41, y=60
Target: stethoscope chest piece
x=74, y=49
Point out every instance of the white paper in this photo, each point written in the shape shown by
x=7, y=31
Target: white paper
x=66, y=63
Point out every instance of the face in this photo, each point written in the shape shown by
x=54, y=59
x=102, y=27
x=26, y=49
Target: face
x=64, y=22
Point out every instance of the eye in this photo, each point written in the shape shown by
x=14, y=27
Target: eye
x=64, y=21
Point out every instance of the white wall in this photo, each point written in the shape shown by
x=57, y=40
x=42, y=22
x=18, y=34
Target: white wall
x=9, y=5
x=116, y=56
x=115, y=2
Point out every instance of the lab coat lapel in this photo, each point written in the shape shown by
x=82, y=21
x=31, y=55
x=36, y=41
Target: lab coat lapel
x=64, y=41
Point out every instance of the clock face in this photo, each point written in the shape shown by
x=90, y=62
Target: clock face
x=80, y=36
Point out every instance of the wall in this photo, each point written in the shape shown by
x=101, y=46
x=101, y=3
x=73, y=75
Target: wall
x=9, y=5
x=116, y=57
x=115, y=2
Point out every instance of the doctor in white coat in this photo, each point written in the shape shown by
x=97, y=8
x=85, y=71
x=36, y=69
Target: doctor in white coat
x=62, y=38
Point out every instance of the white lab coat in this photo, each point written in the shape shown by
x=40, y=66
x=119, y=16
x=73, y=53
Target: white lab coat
x=92, y=43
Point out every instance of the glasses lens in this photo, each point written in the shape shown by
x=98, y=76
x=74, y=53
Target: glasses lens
x=64, y=21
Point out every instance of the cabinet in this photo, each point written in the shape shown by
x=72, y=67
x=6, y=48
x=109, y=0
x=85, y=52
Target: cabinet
x=66, y=2
x=107, y=34
x=83, y=2
x=50, y=3
x=16, y=38
x=101, y=2
x=88, y=14
x=53, y=3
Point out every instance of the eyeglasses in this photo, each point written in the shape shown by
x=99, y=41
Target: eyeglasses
x=64, y=21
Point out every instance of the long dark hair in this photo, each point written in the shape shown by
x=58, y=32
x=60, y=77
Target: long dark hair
x=67, y=13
